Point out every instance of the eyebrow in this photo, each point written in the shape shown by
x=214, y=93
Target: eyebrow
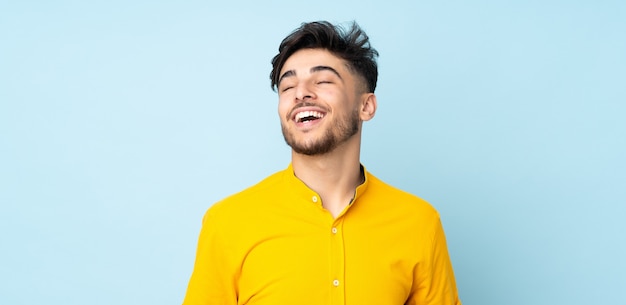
x=291, y=73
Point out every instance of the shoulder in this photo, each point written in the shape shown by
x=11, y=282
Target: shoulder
x=250, y=197
x=397, y=199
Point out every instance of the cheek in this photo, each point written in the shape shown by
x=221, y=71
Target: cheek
x=283, y=108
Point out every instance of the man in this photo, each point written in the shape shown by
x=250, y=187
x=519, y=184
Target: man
x=325, y=230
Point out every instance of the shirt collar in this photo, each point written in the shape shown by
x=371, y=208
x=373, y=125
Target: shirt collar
x=297, y=188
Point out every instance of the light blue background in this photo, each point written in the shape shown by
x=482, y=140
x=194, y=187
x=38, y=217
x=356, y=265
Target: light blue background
x=121, y=122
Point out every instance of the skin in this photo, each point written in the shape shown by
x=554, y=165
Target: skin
x=326, y=151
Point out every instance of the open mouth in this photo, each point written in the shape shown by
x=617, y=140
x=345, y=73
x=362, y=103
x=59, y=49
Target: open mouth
x=308, y=116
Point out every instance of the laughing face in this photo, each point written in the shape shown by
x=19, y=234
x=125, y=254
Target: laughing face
x=319, y=101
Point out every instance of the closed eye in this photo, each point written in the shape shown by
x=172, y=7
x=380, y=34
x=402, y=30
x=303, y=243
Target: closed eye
x=286, y=87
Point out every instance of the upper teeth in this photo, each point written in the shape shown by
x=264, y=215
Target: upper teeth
x=304, y=114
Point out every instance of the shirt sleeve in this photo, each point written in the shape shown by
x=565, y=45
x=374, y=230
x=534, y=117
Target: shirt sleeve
x=433, y=281
x=213, y=278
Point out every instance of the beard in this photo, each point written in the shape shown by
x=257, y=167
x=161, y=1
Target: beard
x=336, y=134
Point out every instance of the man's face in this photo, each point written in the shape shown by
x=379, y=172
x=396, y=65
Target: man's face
x=318, y=101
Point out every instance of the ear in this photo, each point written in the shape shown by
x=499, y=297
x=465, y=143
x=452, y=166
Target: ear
x=368, y=106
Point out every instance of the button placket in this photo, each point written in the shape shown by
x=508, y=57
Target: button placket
x=337, y=261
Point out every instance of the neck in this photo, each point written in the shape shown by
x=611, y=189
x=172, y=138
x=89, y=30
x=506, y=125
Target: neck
x=334, y=176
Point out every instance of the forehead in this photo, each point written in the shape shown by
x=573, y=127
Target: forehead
x=307, y=58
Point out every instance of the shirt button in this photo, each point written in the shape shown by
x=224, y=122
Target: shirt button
x=314, y=198
x=334, y=230
x=336, y=283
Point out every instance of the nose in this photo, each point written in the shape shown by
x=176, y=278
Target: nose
x=303, y=92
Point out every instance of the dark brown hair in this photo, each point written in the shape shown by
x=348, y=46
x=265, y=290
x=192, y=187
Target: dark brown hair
x=352, y=45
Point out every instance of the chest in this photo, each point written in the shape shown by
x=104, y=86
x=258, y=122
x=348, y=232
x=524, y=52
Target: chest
x=336, y=262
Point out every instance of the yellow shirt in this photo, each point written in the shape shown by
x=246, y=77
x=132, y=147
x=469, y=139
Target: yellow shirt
x=275, y=244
